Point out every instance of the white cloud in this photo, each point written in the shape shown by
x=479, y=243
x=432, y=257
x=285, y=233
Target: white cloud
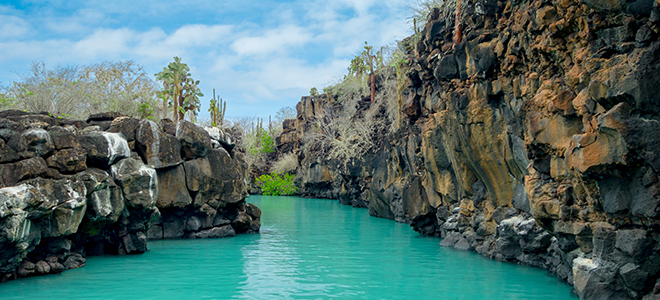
x=13, y=27
x=273, y=40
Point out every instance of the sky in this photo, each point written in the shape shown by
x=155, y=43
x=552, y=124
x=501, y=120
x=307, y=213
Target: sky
x=260, y=56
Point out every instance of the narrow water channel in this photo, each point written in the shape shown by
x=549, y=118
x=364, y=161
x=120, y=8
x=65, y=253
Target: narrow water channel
x=308, y=249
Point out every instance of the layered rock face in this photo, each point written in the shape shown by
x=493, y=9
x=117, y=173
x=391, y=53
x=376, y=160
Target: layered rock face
x=71, y=189
x=534, y=141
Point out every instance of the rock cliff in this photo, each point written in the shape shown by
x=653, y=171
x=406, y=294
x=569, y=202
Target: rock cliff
x=71, y=188
x=534, y=141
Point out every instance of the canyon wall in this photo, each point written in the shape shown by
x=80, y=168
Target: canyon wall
x=69, y=189
x=534, y=140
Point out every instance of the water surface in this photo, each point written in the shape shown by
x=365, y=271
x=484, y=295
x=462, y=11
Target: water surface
x=307, y=249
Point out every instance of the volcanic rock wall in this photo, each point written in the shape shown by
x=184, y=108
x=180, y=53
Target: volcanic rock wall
x=105, y=186
x=535, y=140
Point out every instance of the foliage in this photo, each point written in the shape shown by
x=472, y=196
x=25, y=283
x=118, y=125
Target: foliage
x=313, y=92
x=180, y=89
x=338, y=136
x=76, y=92
x=275, y=184
x=6, y=100
x=286, y=163
x=217, y=109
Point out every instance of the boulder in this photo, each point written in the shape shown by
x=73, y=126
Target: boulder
x=195, y=141
x=173, y=229
x=74, y=261
x=133, y=243
x=64, y=137
x=138, y=182
x=65, y=218
x=215, y=232
x=593, y=278
x=127, y=126
x=104, y=148
x=32, y=142
x=68, y=160
x=104, y=197
x=216, y=177
x=11, y=174
x=17, y=199
x=172, y=189
x=42, y=267
x=157, y=149
x=223, y=138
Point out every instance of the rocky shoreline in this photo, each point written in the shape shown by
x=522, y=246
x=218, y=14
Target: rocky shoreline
x=70, y=189
x=532, y=141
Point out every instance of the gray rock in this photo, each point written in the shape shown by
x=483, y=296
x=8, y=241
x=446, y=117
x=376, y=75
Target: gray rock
x=479, y=192
x=104, y=148
x=104, y=197
x=133, y=243
x=592, y=279
x=451, y=239
x=604, y=240
x=615, y=194
x=520, y=199
x=172, y=189
x=157, y=149
x=633, y=242
x=155, y=232
x=139, y=182
x=173, y=229
x=32, y=142
x=42, y=267
x=216, y=178
x=27, y=268
x=68, y=160
x=195, y=141
x=193, y=224
x=633, y=276
x=74, y=261
x=215, y=232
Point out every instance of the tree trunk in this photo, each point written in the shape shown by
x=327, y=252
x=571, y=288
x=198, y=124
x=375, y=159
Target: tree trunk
x=175, y=101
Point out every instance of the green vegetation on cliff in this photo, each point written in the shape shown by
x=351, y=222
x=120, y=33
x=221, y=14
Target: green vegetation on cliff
x=275, y=184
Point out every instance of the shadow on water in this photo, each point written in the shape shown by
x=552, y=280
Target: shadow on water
x=307, y=249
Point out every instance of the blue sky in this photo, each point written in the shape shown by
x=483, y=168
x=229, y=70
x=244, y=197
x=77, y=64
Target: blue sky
x=260, y=56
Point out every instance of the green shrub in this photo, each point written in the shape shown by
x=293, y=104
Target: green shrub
x=277, y=184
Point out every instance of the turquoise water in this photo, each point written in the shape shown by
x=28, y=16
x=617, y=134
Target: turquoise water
x=308, y=249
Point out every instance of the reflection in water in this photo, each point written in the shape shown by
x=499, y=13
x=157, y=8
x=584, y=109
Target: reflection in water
x=308, y=249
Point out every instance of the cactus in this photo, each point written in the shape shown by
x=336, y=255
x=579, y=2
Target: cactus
x=217, y=110
x=180, y=88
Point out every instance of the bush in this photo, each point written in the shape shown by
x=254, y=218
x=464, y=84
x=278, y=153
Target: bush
x=76, y=92
x=277, y=184
x=287, y=163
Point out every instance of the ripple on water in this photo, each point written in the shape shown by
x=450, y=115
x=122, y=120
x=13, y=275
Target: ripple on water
x=307, y=249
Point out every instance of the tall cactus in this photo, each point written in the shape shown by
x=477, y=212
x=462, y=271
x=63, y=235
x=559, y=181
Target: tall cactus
x=217, y=110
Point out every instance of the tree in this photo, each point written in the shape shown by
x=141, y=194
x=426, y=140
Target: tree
x=180, y=89
x=78, y=91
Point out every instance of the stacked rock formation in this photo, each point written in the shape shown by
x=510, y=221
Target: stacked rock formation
x=73, y=188
x=533, y=141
